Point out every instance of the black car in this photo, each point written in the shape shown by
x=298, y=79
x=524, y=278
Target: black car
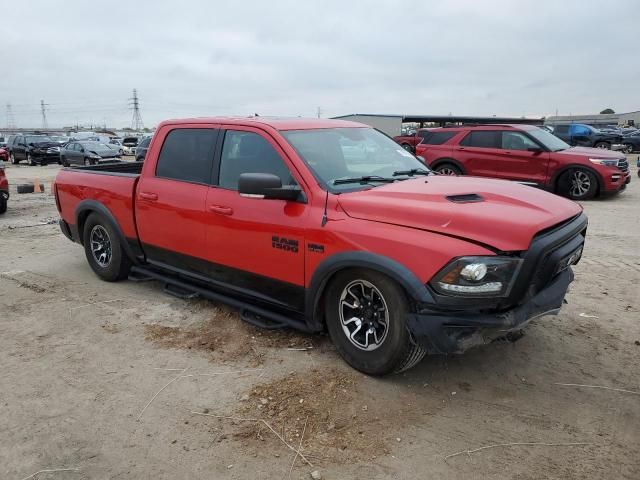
x=631, y=142
x=141, y=149
x=35, y=149
x=581, y=135
x=87, y=153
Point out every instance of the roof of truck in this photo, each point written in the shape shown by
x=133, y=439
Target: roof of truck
x=279, y=123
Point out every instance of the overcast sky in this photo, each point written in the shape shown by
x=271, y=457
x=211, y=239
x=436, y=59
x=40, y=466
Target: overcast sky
x=196, y=58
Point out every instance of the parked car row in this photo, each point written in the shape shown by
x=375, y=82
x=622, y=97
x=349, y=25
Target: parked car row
x=526, y=154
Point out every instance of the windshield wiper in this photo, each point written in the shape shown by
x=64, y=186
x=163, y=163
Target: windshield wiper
x=364, y=179
x=412, y=172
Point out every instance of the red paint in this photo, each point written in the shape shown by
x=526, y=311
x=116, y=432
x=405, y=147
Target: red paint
x=411, y=221
x=542, y=167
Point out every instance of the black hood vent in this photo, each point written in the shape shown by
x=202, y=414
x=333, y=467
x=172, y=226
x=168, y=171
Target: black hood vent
x=465, y=198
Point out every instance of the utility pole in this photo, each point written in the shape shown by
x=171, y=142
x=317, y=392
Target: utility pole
x=11, y=122
x=319, y=112
x=43, y=111
x=136, y=119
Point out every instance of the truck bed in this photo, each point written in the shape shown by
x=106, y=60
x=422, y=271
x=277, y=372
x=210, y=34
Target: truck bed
x=113, y=168
x=110, y=184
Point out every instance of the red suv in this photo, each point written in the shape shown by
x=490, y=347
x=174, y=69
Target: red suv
x=526, y=154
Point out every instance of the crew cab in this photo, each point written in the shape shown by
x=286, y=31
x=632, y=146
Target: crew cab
x=582, y=135
x=526, y=154
x=327, y=225
x=35, y=149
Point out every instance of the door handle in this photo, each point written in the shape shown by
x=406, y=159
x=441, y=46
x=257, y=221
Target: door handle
x=221, y=209
x=149, y=196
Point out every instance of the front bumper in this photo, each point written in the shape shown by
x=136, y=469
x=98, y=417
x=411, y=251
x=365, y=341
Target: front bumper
x=455, y=332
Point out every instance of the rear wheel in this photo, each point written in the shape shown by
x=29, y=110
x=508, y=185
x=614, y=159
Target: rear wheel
x=604, y=145
x=64, y=161
x=578, y=184
x=407, y=147
x=448, y=169
x=366, y=318
x=3, y=204
x=103, y=250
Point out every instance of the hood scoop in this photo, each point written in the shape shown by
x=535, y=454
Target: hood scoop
x=465, y=198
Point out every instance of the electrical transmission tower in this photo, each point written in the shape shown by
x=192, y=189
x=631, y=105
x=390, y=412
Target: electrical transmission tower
x=136, y=119
x=43, y=111
x=11, y=121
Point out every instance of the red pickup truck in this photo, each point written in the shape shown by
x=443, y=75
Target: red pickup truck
x=327, y=225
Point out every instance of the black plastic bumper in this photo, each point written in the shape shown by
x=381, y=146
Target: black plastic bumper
x=69, y=231
x=455, y=332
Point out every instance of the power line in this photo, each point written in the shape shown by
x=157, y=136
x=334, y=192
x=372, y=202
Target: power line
x=136, y=119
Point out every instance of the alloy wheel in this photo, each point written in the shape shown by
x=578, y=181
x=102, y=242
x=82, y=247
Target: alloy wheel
x=101, y=246
x=364, y=315
x=447, y=171
x=580, y=183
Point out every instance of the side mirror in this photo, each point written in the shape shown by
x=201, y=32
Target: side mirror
x=82, y=149
x=267, y=186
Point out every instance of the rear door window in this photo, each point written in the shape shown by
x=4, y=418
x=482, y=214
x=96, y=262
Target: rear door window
x=482, y=139
x=561, y=129
x=187, y=155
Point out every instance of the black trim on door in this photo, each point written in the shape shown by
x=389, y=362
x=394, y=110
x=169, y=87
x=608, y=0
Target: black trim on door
x=258, y=288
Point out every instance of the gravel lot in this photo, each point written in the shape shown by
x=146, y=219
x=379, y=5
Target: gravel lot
x=83, y=359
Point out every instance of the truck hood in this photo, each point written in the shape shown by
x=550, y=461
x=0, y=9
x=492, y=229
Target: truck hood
x=592, y=152
x=503, y=215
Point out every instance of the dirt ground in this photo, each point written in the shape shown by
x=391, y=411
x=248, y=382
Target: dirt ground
x=121, y=381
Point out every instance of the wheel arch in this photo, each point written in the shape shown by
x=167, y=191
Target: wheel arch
x=330, y=267
x=566, y=168
x=86, y=208
x=436, y=163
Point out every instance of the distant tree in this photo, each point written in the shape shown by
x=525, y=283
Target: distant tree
x=607, y=110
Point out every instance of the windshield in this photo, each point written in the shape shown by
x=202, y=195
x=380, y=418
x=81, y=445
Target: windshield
x=341, y=153
x=95, y=146
x=549, y=140
x=37, y=139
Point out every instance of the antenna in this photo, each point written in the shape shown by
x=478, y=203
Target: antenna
x=43, y=111
x=136, y=119
x=324, y=215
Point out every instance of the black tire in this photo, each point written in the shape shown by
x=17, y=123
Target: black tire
x=64, y=162
x=30, y=160
x=578, y=184
x=408, y=147
x=395, y=350
x=628, y=148
x=603, y=145
x=87, y=162
x=3, y=204
x=12, y=159
x=115, y=263
x=448, y=168
x=28, y=188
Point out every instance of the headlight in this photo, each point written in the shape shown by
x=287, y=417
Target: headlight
x=607, y=162
x=95, y=157
x=477, y=276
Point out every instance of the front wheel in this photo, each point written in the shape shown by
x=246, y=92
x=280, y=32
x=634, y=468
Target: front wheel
x=12, y=159
x=64, y=162
x=603, y=145
x=3, y=204
x=104, y=251
x=628, y=148
x=578, y=184
x=366, y=318
x=30, y=160
x=448, y=169
x=87, y=162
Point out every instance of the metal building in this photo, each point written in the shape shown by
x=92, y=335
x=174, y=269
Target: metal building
x=597, y=119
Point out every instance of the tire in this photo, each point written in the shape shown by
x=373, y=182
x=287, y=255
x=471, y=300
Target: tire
x=3, y=204
x=603, y=145
x=448, y=169
x=87, y=162
x=30, y=160
x=407, y=147
x=64, y=162
x=393, y=349
x=109, y=261
x=12, y=159
x=578, y=184
x=28, y=188
x=628, y=148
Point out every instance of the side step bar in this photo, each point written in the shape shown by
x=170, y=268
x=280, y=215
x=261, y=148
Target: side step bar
x=258, y=316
